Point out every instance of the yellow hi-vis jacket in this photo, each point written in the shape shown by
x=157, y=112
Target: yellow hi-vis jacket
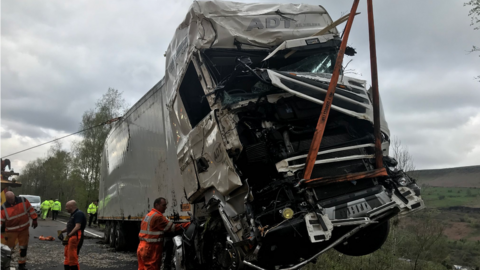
x=92, y=209
x=45, y=205
x=51, y=203
x=57, y=206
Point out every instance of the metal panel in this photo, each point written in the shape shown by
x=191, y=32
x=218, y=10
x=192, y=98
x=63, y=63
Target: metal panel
x=135, y=165
x=205, y=141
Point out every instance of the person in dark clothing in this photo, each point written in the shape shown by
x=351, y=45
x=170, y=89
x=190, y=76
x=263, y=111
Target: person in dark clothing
x=74, y=239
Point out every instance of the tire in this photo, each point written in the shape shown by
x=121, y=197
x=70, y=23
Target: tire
x=120, y=240
x=106, y=234
x=366, y=241
x=112, y=233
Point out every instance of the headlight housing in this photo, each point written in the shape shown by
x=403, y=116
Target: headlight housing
x=287, y=213
x=402, y=181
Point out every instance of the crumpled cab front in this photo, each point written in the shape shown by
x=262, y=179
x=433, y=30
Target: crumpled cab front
x=204, y=162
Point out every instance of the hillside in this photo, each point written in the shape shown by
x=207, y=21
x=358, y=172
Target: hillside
x=450, y=177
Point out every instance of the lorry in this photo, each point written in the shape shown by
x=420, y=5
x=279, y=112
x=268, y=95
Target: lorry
x=224, y=138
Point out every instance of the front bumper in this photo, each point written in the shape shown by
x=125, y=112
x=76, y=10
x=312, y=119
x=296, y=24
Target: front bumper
x=359, y=208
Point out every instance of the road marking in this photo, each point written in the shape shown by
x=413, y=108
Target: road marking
x=85, y=230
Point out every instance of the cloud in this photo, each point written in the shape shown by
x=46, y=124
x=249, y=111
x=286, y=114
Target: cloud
x=59, y=57
x=6, y=134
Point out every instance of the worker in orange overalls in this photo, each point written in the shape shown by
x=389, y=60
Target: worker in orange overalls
x=153, y=227
x=74, y=240
x=16, y=212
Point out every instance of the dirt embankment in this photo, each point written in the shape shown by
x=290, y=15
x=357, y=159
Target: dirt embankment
x=463, y=209
x=449, y=177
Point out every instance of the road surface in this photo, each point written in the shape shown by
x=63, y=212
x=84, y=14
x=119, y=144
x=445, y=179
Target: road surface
x=48, y=255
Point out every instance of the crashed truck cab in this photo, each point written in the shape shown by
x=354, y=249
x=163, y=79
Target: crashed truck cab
x=246, y=83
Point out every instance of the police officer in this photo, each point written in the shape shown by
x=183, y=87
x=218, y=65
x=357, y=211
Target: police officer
x=92, y=212
x=51, y=205
x=57, y=206
x=45, y=206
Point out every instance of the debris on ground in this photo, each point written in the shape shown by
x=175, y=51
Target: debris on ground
x=46, y=238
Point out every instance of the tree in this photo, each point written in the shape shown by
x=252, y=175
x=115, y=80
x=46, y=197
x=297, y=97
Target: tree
x=32, y=177
x=424, y=241
x=402, y=155
x=474, y=14
x=87, y=152
x=75, y=175
x=46, y=177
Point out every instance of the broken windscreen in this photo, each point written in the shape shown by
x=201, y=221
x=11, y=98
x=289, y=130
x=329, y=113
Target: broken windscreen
x=243, y=85
x=317, y=63
x=236, y=95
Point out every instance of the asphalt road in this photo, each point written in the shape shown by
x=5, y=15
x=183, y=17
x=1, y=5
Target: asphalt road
x=49, y=255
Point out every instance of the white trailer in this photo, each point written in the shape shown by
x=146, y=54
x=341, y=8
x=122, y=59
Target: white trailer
x=137, y=167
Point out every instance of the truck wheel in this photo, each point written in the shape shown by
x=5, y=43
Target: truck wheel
x=112, y=233
x=119, y=238
x=366, y=241
x=106, y=233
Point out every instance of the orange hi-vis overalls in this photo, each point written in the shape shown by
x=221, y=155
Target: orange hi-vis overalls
x=16, y=221
x=71, y=251
x=75, y=240
x=152, y=229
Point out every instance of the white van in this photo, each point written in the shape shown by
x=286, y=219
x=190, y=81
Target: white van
x=35, y=201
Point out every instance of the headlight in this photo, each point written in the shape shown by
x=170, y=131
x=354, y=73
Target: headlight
x=402, y=181
x=287, y=213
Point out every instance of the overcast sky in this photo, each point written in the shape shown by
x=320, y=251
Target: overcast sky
x=59, y=57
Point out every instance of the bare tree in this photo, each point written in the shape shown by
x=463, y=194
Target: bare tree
x=425, y=241
x=76, y=174
x=402, y=155
x=474, y=13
